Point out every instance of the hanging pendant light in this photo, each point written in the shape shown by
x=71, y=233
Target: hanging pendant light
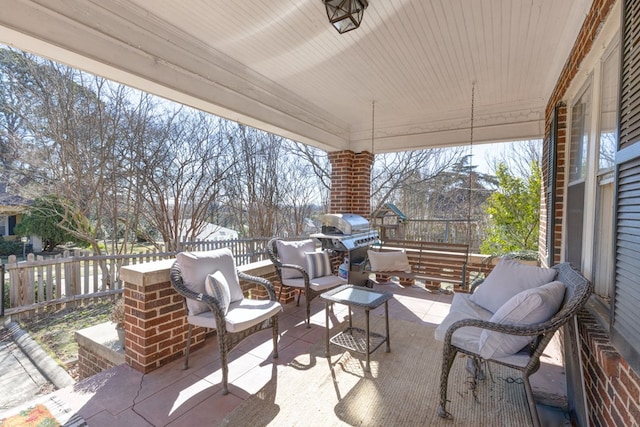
x=345, y=15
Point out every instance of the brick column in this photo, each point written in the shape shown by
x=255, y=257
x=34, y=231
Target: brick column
x=351, y=182
x=156, y=326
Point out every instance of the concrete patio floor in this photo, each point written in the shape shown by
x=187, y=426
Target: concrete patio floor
x=171, y=396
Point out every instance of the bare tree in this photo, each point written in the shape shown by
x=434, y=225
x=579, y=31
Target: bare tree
x=518, y=156
x=184, y=166
x=274, y=192
x=252, y=194
x=400, y=177
x=302, y=193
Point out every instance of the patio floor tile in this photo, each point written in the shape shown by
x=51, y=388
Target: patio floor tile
x=171, y=396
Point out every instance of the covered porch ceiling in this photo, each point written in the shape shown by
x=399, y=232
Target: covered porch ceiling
x=280, y=66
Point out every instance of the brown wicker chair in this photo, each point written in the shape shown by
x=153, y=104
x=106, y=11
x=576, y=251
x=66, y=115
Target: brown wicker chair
x=577, y=291
x=312, y=286
x=243, y=316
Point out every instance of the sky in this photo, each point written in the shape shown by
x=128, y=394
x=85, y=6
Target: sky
x=483, y=154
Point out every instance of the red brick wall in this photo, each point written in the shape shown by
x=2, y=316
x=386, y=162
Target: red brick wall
x=351, y=182
x=90, y=364
x=156, y=326
x=612, y=389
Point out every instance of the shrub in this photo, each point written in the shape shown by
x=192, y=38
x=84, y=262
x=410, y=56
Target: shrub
x=10, y=247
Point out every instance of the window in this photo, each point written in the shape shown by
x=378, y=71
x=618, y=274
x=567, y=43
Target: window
x=4, y=227
x=608, y=134
x=603, y=252
x=580, y=118
x=578, y=150
x=590, y=198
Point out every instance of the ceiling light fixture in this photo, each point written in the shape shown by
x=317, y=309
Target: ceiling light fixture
x=345, y=15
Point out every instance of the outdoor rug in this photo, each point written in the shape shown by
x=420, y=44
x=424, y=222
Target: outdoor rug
x=44, y=412
x=402, y=388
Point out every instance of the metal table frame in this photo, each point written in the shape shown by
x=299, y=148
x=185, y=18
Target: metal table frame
x=357, y=339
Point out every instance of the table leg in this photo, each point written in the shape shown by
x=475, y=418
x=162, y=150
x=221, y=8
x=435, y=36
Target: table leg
x=326, y=327
x=386, y=320
x=367, y=367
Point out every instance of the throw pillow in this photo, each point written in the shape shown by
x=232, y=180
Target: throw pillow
x=507, y=279
x=217, y=286
x=536, y=305
x=196, y=266
x=293, y=253
x=318, y=264
x=389, y=261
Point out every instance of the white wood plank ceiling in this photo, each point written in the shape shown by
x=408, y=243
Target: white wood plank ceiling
x=280, y=66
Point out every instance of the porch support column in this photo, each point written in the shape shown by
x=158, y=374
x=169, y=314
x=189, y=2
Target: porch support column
x=351, y=182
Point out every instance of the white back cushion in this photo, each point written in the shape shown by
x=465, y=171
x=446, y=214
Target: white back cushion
x=217, y=286
x=292, y=252
x=507, y=279
x=389, y=261
x=196, y=266
x=528, y=307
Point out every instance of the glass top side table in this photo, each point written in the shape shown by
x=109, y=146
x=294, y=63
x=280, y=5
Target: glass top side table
x=359, y=340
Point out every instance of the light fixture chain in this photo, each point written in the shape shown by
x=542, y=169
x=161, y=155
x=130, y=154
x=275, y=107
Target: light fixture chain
x=373, y=123
x=473, y=98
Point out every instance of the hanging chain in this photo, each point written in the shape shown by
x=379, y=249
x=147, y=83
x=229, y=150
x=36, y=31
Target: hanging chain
x=473, y=96
x=373, y=122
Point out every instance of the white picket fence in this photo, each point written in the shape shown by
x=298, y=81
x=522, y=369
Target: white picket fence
x=80, y=274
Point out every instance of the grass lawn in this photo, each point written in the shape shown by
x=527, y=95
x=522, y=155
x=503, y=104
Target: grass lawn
x=55, y=330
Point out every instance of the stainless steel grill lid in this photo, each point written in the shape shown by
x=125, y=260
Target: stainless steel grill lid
x=344, y=224
x=345, y=232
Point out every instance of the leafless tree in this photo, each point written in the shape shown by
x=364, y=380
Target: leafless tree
x=401, y=177
x=272, y=192
x=183, y=168
x=76, y=133
x=303, y=193
x=518, y=156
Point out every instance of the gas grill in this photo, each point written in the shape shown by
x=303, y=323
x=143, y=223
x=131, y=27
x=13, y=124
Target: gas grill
x=350, y=235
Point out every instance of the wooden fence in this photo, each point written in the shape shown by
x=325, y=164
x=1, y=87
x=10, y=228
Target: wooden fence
x=79, y=274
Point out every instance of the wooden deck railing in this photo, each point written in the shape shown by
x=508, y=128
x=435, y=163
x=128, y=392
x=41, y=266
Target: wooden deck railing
x=78, y=274
x=438, y=263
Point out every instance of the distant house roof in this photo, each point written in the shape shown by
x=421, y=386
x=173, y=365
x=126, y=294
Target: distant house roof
x=211, y=232
x=12, y=204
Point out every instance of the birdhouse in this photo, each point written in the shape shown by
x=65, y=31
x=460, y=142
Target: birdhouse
x=390, y=222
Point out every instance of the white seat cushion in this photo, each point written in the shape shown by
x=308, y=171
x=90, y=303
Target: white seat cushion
x=316, y=284
x=196, y=266
x=241, y=315
x=293, y=253
x=463, y=308
x=507, y=279
x=529, y=307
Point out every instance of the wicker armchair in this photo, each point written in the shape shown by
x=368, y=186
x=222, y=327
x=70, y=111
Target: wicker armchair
x=209, y=283
x=577, y=291
x=293, y=270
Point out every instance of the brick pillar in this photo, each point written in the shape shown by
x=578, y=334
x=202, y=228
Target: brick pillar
x=351, y=182
x=155, y=317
